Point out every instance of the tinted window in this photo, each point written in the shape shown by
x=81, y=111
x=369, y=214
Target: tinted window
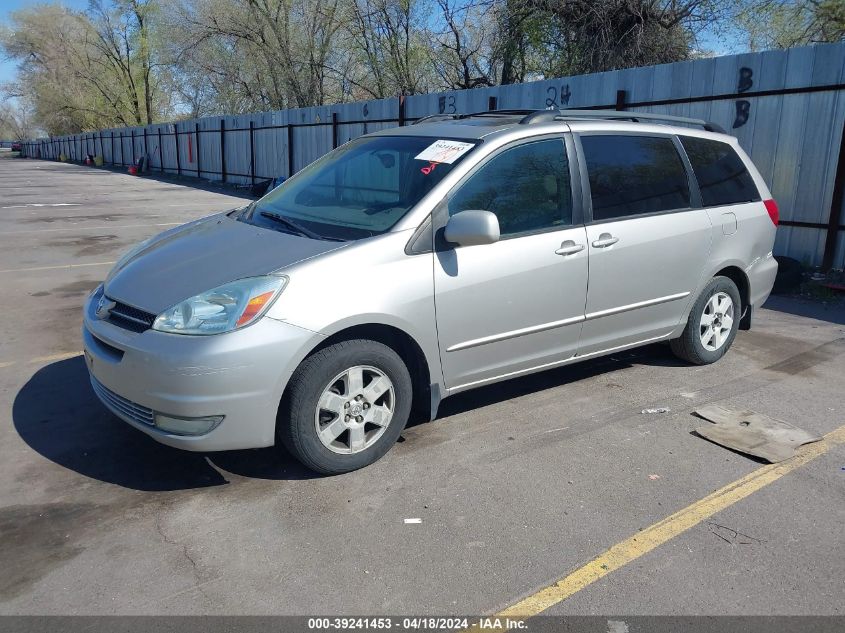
x=527, y=187
x=634, y=174
x=360, y=189
x=721, y=174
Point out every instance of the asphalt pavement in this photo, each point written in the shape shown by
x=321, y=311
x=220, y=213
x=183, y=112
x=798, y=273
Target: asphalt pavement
x=515, y=485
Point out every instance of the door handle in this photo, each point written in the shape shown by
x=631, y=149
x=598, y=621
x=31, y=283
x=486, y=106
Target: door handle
x=569, y=248
x=605, y=240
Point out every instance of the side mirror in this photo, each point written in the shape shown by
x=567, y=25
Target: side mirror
x=471, y=228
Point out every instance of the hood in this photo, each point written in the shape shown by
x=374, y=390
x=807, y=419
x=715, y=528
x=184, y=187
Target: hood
x=202, y=255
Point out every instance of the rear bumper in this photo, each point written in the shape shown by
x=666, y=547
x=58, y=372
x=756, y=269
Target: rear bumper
x=240, y=375
x=761, y=279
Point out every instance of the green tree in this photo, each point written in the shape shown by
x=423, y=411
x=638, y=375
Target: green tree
x=785, y=23
x=86, y=70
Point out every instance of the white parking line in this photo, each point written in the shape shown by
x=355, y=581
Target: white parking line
x=65, y=267
x=92, y=228
x=44, y=204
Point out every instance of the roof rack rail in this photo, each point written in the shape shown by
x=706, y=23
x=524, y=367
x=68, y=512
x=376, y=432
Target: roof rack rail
x=436, y=117
x=431, y=118
x=546, y=116
x=512, y=112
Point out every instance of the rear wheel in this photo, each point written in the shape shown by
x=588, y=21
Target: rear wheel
x=346, y=406
x=712, y=324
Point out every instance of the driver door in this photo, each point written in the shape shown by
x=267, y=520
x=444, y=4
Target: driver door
x=517, y=304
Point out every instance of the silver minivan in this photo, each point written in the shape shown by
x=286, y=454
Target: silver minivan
x=418, y=262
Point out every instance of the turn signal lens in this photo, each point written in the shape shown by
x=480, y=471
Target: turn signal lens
x=772, y=208
x=254, y=307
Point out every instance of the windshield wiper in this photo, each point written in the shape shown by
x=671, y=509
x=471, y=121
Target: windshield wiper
x=293, y=225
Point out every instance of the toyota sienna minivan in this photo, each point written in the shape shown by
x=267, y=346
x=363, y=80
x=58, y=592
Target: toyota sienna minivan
x=418, y=262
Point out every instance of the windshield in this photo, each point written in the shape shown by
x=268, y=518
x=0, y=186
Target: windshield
x=360, y=189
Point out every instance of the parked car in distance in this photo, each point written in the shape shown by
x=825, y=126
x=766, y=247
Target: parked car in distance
x=17, y=146
x=415, y=263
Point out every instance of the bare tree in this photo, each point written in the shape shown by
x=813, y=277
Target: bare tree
x=610, y=34
x=16, y=121
x=386, y=38
x=462, y=50
x=291, y=43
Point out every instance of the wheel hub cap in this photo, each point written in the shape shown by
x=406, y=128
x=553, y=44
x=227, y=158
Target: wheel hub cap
x=716, y=321
x=354, y=409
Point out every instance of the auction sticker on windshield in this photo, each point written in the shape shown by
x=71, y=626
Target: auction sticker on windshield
x=444, y=151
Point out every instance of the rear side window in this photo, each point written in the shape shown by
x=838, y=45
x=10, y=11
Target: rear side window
x=527, y=187
x=631, y=175
x=721, y=174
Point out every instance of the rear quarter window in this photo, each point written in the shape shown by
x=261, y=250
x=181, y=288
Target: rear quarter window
x=722, y=176
x=634, y=175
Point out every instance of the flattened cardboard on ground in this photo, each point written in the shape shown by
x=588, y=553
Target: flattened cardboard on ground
x=752, y=433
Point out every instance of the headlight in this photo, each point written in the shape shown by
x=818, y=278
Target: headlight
x=223, y=309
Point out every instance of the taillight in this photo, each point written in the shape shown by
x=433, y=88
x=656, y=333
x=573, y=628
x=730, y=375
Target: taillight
x=772, y=208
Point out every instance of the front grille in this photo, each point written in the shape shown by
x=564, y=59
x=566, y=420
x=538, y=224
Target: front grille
x=130, y=318
x=122, y=406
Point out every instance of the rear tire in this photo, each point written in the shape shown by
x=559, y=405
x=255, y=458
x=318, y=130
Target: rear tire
x=346, y=406
x=712, y=323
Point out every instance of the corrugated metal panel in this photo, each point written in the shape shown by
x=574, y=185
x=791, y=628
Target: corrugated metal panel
x=793, y=138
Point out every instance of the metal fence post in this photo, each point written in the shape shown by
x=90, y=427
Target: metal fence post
x=178, y=159
x=223, y=148
x=401, y=110
x=133, y=146
x=334, y=126
x=492, y=103
x=111, y=155
x=291, y=170
x=620, y=99
x=197, y=136
x=252, y=152
x=160, y=153
x=121, y=149
x=836, y=206
x=146, y=149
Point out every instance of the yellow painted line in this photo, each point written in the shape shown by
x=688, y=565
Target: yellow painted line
x=652, y=537
x=55, y=357
x=52, y=358
x=65, y=267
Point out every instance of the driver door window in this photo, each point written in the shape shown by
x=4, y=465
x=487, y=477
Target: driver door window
x=526, y=187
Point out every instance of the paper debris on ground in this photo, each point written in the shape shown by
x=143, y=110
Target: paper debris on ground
x=656, y=410
x=413, y=520
x=752, y=433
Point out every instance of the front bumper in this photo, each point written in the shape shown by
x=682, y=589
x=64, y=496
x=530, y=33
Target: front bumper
x=240, y=375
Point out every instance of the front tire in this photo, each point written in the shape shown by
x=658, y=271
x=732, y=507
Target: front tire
x=346, y=406
x=712, y=324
